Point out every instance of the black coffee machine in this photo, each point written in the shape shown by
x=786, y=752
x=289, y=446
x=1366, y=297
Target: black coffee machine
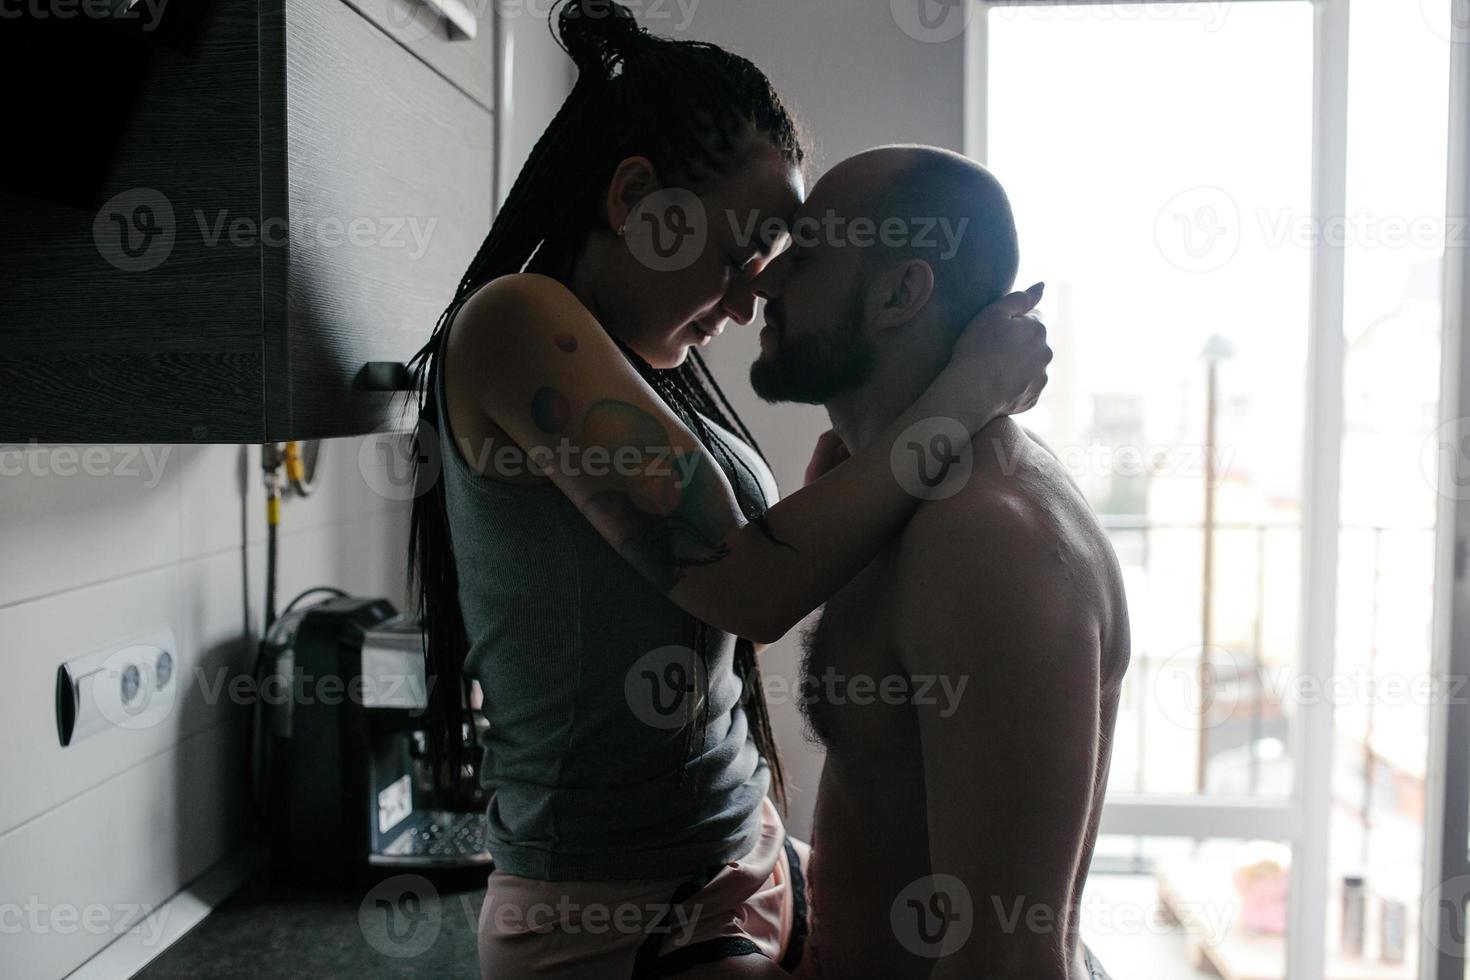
x=347, y=782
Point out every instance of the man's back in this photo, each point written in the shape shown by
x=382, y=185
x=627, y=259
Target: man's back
x=966, y=685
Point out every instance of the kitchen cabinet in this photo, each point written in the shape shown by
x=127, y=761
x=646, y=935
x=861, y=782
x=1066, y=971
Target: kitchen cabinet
x=293, y=198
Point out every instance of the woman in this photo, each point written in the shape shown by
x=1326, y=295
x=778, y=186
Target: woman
x=602, y=552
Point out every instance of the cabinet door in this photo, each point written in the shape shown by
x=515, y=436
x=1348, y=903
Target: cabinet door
x=137, y=319
x=432, y=30
x=389, y=188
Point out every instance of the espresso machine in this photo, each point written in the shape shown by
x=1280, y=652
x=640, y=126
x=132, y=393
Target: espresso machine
x=346, y=780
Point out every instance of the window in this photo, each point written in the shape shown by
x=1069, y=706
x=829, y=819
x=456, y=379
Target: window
x=1239, y=209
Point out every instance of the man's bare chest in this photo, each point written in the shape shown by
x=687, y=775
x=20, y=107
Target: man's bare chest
x=855, y=690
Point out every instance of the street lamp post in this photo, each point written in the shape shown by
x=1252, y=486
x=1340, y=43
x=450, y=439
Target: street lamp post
x=1217, y=349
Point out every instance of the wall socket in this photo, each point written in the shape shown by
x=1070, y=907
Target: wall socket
x=131, y=686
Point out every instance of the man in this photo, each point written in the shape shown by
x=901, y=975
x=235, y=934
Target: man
x=966, y=683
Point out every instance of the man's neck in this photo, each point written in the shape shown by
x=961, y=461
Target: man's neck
x=860, y=414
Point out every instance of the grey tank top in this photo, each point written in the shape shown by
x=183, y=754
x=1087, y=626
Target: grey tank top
x=583, y=664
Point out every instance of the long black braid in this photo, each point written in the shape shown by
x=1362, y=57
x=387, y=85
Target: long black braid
x=690, y=108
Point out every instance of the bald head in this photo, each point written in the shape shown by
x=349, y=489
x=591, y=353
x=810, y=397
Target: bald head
x=954, y=214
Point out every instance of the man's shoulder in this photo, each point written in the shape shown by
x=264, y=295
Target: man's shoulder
x=1016, y=530
x=987, y=519
x=965, y=565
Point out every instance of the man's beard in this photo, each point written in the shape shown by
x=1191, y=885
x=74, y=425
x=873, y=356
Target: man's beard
x=815, y=368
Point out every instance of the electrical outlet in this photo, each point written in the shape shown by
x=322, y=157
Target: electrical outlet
x=131, y=686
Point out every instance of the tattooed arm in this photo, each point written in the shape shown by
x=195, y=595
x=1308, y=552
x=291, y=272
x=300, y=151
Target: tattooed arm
x=551, y=377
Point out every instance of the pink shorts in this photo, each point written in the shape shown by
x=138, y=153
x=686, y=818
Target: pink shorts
x=609, y=930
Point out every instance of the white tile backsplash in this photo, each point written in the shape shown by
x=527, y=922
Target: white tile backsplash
x=219, y=498
x=80, y=514
x=95, y=865
x=93, y=560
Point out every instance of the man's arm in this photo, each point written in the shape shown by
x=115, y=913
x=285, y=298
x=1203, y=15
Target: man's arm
x=1009, y=762
x=547, y=373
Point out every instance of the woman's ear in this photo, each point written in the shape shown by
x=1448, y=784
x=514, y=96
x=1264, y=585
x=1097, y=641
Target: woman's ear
x=632, y=181
x=902, y=290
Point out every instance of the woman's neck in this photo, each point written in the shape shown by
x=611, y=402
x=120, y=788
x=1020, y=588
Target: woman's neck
x=575, y=271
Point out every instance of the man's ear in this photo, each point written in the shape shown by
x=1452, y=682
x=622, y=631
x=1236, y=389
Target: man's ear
x=901, y=291
x=632, y=181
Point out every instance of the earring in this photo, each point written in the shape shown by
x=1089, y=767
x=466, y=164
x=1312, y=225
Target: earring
x=622, y=229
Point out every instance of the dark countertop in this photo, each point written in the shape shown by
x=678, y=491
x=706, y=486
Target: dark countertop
x=399, y=926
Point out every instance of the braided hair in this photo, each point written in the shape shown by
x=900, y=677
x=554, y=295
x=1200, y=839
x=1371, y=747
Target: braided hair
x=691, y=109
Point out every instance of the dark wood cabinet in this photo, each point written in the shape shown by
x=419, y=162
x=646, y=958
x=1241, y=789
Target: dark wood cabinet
x=294, y=197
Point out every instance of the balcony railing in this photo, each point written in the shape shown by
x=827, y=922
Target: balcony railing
x=1242, y=662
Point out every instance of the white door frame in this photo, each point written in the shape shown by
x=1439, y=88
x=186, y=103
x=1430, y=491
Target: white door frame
x=1446, y=863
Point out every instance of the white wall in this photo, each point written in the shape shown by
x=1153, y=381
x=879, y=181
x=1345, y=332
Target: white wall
x=536, y=76
x=856, y=80
x=91, y=833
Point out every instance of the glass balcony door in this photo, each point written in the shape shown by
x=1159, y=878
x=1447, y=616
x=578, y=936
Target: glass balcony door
x=1239, y=210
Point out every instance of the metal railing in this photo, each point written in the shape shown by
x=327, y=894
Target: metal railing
x=1135, y=540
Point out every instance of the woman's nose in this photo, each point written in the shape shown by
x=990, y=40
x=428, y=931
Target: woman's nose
x=739, y=304
x=767, y=282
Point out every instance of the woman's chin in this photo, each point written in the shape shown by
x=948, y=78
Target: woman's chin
x=678, y=352
x=669, y=358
